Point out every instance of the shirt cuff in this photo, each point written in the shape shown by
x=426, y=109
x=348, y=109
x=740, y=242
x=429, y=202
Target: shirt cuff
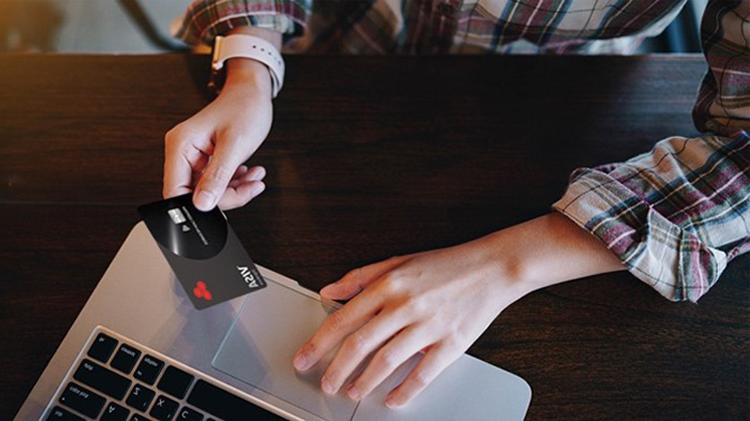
x=673, y=261
x=205, y=19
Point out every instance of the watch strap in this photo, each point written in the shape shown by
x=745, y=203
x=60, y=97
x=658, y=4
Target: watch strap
x=252, y=47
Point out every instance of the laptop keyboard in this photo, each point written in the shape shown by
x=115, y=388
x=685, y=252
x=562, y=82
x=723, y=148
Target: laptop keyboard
x=118, y=379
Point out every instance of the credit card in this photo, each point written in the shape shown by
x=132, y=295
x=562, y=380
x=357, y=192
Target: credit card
x=203, y=251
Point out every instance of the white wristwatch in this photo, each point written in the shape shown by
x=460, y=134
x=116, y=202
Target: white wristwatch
x=246, y=46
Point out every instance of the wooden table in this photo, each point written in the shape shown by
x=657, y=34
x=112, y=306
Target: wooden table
x=371, y=157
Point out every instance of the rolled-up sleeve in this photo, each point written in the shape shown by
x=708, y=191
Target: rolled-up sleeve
x=205, y=19
x=676, y=215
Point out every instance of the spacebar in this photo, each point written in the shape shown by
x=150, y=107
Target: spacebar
x=223, y=404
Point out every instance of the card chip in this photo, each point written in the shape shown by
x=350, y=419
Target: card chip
x=177, y=216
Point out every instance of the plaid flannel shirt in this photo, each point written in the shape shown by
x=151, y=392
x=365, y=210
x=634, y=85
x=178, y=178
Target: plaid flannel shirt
x=676, y=215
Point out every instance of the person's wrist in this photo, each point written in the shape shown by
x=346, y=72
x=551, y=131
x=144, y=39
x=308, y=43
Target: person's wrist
x=248, y=74
x=509, y=272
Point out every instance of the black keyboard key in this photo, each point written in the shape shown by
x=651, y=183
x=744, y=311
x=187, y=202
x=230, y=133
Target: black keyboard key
x=164, y=408
x=175, y=382
x=102, y=379
x=125, y=358
x=225, y=405
x=62, y=414
x=189, y=414
x=148, y=370
x=138, y=417
x=102, y=347
x=115, y=412
x=82, y=400
x=140, y=397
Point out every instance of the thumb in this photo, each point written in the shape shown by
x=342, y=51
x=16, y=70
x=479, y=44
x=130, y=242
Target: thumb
x=215, y=179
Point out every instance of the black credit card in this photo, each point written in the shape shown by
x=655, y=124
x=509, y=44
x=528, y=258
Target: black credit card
x=202, y=249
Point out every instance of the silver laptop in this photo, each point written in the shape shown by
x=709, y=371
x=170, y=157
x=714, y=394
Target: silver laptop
x=140, y=350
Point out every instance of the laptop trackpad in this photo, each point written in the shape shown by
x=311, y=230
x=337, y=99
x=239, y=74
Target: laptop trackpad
x=258, y=349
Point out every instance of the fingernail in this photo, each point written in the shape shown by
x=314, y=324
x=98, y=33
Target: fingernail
x=300, y=362
x=326, y=386
x=259, y=174
x=205, y=200
x=391, y=402
x=353, y=393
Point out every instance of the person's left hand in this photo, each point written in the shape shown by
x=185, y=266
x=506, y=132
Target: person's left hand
x=438, y=301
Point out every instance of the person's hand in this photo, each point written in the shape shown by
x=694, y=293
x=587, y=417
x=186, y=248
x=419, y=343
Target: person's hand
x=439, y=302
x=205, y=153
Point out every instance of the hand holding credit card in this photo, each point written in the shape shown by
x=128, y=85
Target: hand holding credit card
x=203, y=251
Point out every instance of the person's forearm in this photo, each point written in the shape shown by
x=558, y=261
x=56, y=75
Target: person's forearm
x=545, y=251
x=249, y=72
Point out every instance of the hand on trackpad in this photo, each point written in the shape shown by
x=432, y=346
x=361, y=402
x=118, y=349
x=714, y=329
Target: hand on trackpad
x=259, y=347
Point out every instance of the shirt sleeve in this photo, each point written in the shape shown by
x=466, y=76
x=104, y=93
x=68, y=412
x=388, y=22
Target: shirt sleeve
x=676, y=215
x=205, y=19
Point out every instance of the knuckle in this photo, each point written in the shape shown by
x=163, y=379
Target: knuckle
x=355, y=344
x=335, y=321
x=353, y=274
x=416, y=305
x=174, y=135
x=387, y=359
x=420, y=379
x=392, y=283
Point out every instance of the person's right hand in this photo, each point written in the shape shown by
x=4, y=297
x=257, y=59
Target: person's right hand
x=205, y=153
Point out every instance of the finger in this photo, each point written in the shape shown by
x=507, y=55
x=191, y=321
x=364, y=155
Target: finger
x=256, y=173
x=335, y=328
x=437, y=359
x=181, y=158
x=357, y=346
x=399, y=349
x=240, y=194
x=356, y=280
x=215, y=179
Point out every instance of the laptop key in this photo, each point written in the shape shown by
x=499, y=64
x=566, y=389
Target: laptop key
x=164, y=408
x=175, y=382
x=140, y=397
x=138, y=417
x=225, y=405
x=82, y=400
x=114, y=412
x=125, y=358
x=102, y=379
x=189, y=414
x=102, y=347
x=148, y=370
x=62, y=414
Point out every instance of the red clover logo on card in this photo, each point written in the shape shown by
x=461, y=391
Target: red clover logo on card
x=201, y=291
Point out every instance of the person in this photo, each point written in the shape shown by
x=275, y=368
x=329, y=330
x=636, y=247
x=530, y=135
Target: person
x=673, y=216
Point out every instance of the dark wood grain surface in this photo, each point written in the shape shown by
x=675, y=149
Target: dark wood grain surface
x=367, y=158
